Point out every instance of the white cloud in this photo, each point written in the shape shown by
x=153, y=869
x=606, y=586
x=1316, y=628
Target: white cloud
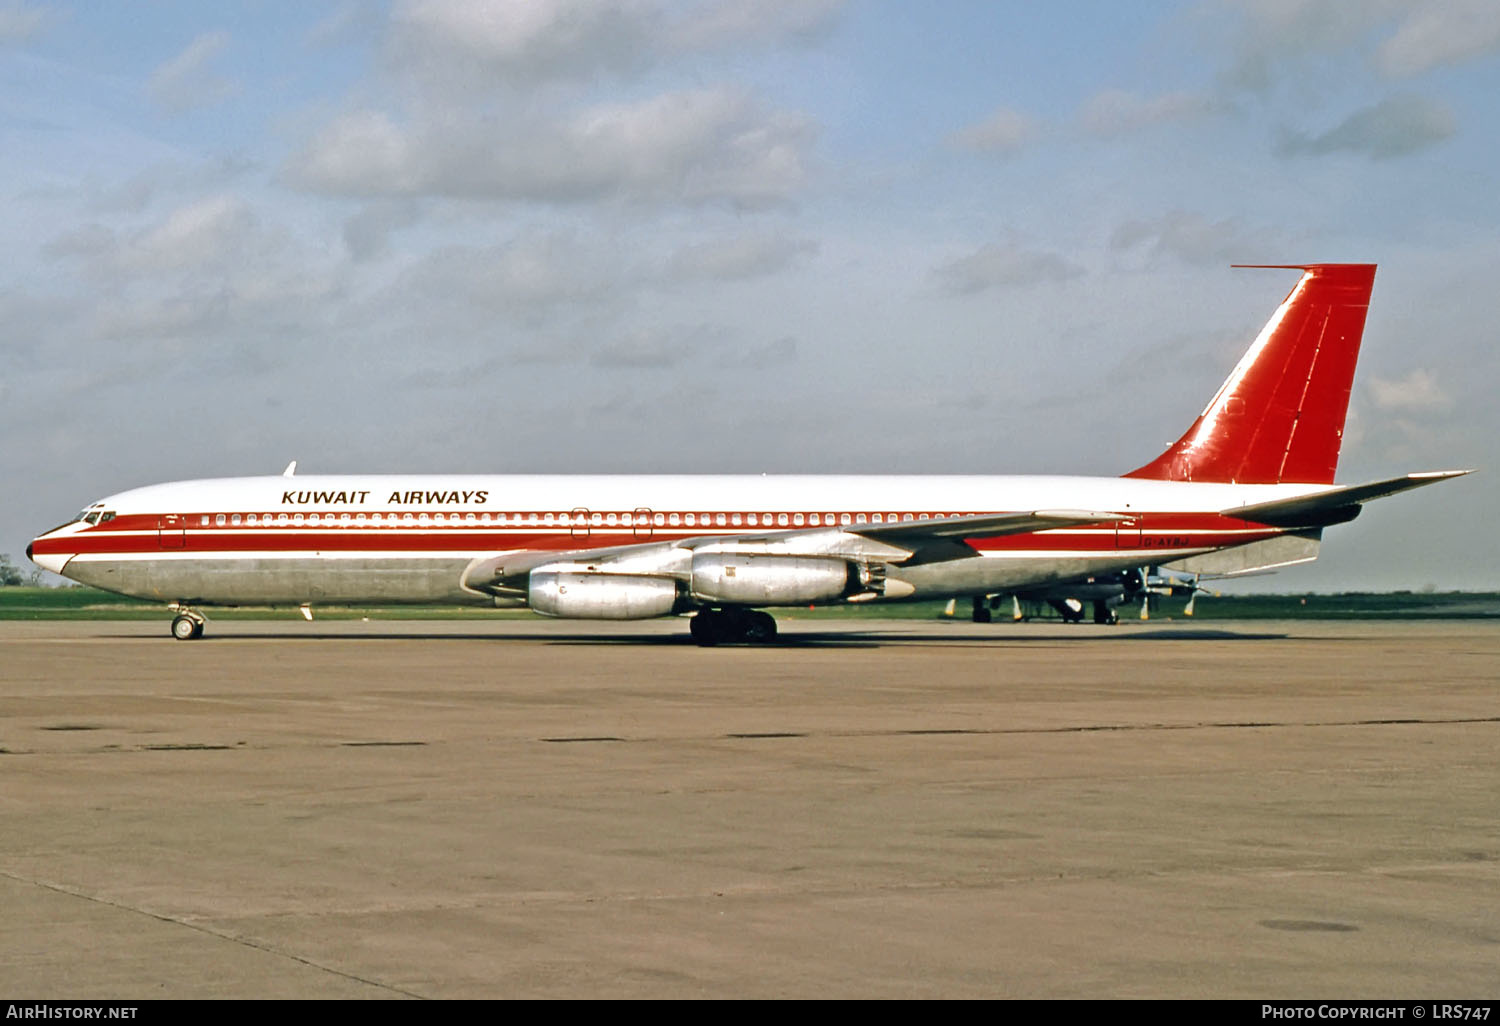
x=346, y=23
x=1419, y=35
x=1190, y=237
x=87, y=242
x=773, y=354
x=737, y=22
x=531, y=41
x=204, y=232
x=367, y=232
x=751, y=255
x=207, y=273
x=522, y=39
x=653, y=349
x=19, y=22
x=363, y=153
x=534, y=272
x=1117, y=112
x=1440, y=33
x=1268, y=34
x=995, y=266
x=186, y=82
x=1416, y=392
x=479, y=110
x=138, y=191
x=1005, y=132
x=1393, y=127
x=690, y=147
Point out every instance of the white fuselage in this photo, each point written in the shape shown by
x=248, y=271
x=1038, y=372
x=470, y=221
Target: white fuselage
x=359, y=538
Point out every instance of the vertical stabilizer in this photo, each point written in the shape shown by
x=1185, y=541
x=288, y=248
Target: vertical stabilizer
x=1280, y=416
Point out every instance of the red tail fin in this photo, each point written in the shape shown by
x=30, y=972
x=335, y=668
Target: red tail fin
x=1280, y=416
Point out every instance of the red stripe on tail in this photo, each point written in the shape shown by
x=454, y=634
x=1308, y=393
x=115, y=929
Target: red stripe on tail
x=1280, y=416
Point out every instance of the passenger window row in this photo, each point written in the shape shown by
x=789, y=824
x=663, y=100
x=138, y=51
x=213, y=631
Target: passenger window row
x=573, y=519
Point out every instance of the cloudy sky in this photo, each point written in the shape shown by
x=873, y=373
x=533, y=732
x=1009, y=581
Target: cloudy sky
x=738, y=236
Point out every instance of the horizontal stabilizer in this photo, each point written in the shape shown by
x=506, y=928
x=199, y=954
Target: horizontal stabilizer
x=1335, y=505
x=986, y=525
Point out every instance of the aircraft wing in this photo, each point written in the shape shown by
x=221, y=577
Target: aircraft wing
x=1335, y=505
x=505, y=570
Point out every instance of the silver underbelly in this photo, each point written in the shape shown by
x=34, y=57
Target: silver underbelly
x=281, y=580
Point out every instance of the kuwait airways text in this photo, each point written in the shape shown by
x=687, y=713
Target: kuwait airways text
x=412, y=498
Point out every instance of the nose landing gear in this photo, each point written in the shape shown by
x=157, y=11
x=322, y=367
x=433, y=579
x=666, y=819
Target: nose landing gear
x=187, y=625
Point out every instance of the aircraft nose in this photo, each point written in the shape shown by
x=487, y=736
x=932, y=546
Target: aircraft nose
x=54, y=561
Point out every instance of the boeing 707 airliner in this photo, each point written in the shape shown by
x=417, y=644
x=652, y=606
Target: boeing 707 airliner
x=1250, y=485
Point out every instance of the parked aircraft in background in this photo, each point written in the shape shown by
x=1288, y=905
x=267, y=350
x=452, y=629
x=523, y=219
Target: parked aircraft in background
x=1250, y=484
x=1101, y=595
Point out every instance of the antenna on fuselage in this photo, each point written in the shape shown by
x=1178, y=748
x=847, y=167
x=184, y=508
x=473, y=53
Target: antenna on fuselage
x=291, y=469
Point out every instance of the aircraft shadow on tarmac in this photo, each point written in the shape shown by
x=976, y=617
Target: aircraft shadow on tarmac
x=844, y=640
x=787, y=639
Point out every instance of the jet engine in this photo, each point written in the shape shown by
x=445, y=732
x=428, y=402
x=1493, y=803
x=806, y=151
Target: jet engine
x=739, y=579
x=595, y=596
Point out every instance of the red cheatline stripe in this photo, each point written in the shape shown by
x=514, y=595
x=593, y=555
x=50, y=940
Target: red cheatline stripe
x=434, y=540
x=765, y=521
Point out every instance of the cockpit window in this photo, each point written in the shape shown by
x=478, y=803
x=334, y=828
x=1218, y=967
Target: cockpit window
x=92, y=516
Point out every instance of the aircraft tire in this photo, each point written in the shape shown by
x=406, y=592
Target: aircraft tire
x=760, y=628
x=706, y=627
x=735, y=625
x=732, y=626
x=185, y=628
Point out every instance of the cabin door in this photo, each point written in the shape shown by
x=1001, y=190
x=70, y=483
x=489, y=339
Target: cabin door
x=171, y=531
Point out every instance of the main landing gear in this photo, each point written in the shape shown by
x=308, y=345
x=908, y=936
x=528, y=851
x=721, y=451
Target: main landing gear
x=187, y=625
x=728, y=626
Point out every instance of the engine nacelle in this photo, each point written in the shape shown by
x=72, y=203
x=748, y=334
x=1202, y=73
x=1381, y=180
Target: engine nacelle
x=595, y=596
x=738, y=579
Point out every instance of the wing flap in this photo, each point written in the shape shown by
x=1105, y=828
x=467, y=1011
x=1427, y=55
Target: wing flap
x=983, y=525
